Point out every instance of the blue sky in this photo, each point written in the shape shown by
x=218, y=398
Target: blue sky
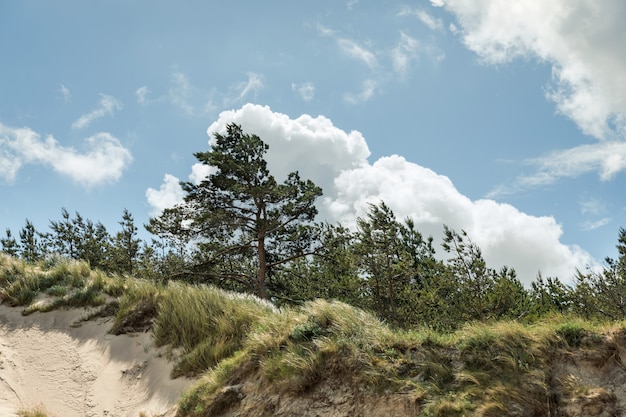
x=504, y=119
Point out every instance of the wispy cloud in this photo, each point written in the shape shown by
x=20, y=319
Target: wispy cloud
x=386, y=63
x=194, y=101
x=65, y=92
x=605, y=158
x=581, y=39
x=592, y=206
x=404, y=53
x=305, y=90
x=360, y=53
x=427, y=19
x=180, y=92
x=251, y=86
x=103, y=161
x=368, y=88
x=108, y=105
x=588, y=226
x=142, y=95
x=351, y=3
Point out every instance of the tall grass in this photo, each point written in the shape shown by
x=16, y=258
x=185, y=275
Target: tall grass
x=484, y=369
x=206, y=323
x=65, y=282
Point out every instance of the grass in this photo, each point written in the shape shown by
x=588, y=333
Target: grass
x=66, y=283
x=225, y=339
x=38, y=411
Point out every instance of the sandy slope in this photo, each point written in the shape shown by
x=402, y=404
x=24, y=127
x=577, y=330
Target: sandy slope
x=80, y=371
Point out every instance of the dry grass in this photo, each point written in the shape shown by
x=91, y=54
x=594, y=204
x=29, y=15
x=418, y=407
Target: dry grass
x=482, y=369
x=38, y=411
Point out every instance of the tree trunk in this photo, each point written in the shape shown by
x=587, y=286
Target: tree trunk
x=261, y=293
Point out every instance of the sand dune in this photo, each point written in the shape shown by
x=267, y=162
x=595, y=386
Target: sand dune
x=81, y=371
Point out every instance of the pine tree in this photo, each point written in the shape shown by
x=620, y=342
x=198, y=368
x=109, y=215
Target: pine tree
x=243, y=222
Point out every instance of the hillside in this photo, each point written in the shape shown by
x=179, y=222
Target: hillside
x=77, y=342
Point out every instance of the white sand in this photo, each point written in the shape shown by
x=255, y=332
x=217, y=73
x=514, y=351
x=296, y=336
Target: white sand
x=81, y=371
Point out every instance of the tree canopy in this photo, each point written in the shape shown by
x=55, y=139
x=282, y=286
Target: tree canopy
x=242, y=220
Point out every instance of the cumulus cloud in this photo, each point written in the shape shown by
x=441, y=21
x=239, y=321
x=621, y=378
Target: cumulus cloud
x=581, y=39
x=103, y=162
x=168, y=195
x=505, y=235
x=9, y=165
x=311, y=145
x=108, y=105
x=338, y=162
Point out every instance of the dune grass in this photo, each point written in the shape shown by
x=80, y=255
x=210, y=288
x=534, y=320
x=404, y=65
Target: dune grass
x=59, y=282
x=483, y=369
x=38, y=411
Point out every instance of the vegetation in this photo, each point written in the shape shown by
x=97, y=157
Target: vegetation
x=241, y=230
x=243, y=284
x=38, y=411
x=227, y=338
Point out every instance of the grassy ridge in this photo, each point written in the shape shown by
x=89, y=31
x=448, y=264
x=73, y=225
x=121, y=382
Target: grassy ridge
x=226, y=339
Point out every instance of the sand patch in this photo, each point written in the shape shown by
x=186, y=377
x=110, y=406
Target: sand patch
x=81, y=371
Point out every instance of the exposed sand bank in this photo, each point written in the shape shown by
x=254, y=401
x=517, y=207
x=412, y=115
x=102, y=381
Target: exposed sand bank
x=81, y=371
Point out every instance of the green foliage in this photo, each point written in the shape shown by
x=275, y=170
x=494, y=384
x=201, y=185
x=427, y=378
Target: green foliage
x=208, y=324
x=8, y=244
x=572, y=334
x=482, y=369
x=392, y=256
x=245, y=223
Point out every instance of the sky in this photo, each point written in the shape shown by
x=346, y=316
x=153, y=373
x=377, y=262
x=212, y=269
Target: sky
x=503, y=119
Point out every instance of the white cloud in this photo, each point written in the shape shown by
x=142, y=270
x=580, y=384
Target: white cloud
x=338, y=162
x=200, y=171
x=368, y=88
x=108, y=105
x=606, y=158
x=168, y=195
x=592, y=206
x=65, y=92
x=181, y=94
x=142, y=95
x=103, y=162
x=404, y=53
x=506, y=235
x=312, y=145
x=252, y=85
x=9, y=165
x=593, y=225
x=581, y=39
x=356, y=51
x=305, y=90
x=427, y=19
